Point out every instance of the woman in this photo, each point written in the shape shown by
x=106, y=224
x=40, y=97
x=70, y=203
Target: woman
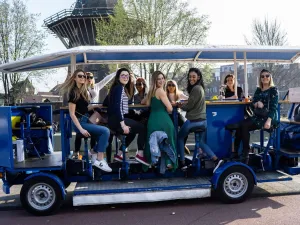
x=265, y=99
x=230, y=88
x=78, y=99
x=174, y=95
x=117, y=108
x=195, y=114
x=141, y=87
x=159, y=119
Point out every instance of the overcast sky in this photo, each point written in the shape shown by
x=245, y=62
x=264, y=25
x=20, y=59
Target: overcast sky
x=231, y=20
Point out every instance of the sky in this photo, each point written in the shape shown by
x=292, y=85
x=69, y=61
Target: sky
x=230, y=22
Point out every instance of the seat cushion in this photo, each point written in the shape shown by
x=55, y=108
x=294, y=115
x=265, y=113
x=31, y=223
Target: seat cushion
x=232, y=127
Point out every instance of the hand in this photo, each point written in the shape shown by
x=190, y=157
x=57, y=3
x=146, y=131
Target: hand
x=267, y=124
x=173, y=103
x=235, y=97
x=126, y=129
x=179, y=104
x=85, y=133
x=260, y=104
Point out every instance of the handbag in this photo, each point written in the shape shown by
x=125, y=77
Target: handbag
x=97, y=118
x=260, y=112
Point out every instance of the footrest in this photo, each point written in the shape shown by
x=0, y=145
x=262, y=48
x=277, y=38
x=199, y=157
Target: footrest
x=264, y=177
x=257, y=145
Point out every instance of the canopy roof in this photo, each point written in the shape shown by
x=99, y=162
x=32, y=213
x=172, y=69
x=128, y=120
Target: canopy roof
x=150, y=54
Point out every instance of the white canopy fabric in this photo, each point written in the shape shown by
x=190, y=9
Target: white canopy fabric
x=151, y=54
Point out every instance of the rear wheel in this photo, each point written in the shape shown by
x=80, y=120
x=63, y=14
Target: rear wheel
x=41, y=196
x=235, y=185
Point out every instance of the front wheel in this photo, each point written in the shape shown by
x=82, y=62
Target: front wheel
x=235, y=185
x=41, y=196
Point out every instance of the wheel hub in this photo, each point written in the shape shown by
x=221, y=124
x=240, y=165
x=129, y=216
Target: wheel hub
x=235, y=185
x=41, y=196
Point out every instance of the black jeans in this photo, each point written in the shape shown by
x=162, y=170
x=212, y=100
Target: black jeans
x=136, y=128
x=242, y=134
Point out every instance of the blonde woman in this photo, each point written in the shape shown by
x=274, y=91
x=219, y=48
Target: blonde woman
x=78, y=100
x=266, y=99
x=159, y=119
x=174, y=95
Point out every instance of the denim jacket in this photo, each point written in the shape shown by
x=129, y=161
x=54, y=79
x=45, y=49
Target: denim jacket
x=160, y=147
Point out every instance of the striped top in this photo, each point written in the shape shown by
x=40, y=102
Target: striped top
x=118, y=103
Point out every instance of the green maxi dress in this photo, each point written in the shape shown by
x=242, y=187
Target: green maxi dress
x=159, y=120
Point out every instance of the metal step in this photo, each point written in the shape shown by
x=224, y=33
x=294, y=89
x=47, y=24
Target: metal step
x=111, y=192
x=273, y=176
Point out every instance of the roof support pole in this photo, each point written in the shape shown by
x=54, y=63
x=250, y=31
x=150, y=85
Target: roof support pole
x=235, y=74
x=245, y=75
x=73, y=64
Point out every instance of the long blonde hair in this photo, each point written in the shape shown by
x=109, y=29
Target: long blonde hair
x=153, y=87
x=70, y=84
x=260, y=84
x=177, y=91
x=93, y=80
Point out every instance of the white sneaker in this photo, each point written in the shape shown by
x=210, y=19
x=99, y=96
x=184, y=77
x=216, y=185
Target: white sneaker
x=93, y=158
x=102, y=165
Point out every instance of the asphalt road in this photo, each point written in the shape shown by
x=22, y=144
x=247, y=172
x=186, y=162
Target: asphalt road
x=274, y=210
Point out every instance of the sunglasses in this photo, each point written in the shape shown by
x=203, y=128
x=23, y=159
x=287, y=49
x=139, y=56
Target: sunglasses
x=124, y=75
x=89, y=77
x=171, y=85
x=139, y=84
x=263, y=76
x=81, y=76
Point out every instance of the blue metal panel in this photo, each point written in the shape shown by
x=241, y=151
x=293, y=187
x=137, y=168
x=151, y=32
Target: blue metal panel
x=6, y=188
x=141, y=56
x=53, y=177
x=6, y=152
x=218, y=139
x=225, y=166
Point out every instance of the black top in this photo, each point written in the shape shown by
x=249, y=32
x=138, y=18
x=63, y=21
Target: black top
x=229, y=93
x=81, y=104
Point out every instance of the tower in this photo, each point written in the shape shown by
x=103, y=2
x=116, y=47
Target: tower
x=76, y=26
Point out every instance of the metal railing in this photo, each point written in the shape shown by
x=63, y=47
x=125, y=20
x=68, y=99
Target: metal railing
x=79, y=12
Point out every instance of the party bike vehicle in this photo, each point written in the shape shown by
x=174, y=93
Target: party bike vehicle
x=27, y=155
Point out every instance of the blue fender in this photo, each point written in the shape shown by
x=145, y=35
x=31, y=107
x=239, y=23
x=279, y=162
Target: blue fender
x=53, y=177
x=225, y=166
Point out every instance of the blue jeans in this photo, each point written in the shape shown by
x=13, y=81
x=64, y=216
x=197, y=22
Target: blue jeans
x=184, y=132
x=100, y=133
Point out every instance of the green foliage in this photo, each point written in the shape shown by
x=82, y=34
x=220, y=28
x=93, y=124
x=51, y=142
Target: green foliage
x=153, y=22
x=207, y=72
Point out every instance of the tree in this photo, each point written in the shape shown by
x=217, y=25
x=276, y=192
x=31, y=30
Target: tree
x=153, y=22
x=19, y=38
x=269, y=32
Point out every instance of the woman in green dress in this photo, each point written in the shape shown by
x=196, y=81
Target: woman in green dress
x=159, y=119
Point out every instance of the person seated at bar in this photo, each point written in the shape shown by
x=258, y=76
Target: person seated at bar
x=174, y=95
x=230, y=88
x=196, y=115
x=76, y=89
x=159, y=119
x=117, y=108
x=264, y=108
x=141, y=115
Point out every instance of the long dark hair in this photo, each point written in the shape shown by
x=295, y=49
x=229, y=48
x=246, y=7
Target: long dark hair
x=117, y=82
x=199, y=82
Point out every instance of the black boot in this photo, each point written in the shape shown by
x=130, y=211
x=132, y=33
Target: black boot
x=245, y=158
x=234, y=156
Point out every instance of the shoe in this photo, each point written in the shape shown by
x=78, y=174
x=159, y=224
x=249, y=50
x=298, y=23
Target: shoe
x=218, y=163
x=93, y=158
x=234, y=155
x=118, y=158
x=186, y=149
x=102, y=165
x=141, y=159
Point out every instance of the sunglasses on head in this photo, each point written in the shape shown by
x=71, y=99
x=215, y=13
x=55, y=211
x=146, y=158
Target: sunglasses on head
x=90, y=77
x=139, y=84
x=263, y=76
x=171, y=85
x=81, y=76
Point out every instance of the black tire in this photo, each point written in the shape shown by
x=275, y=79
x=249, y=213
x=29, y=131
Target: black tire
x=45, y=189
x=235, y=185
